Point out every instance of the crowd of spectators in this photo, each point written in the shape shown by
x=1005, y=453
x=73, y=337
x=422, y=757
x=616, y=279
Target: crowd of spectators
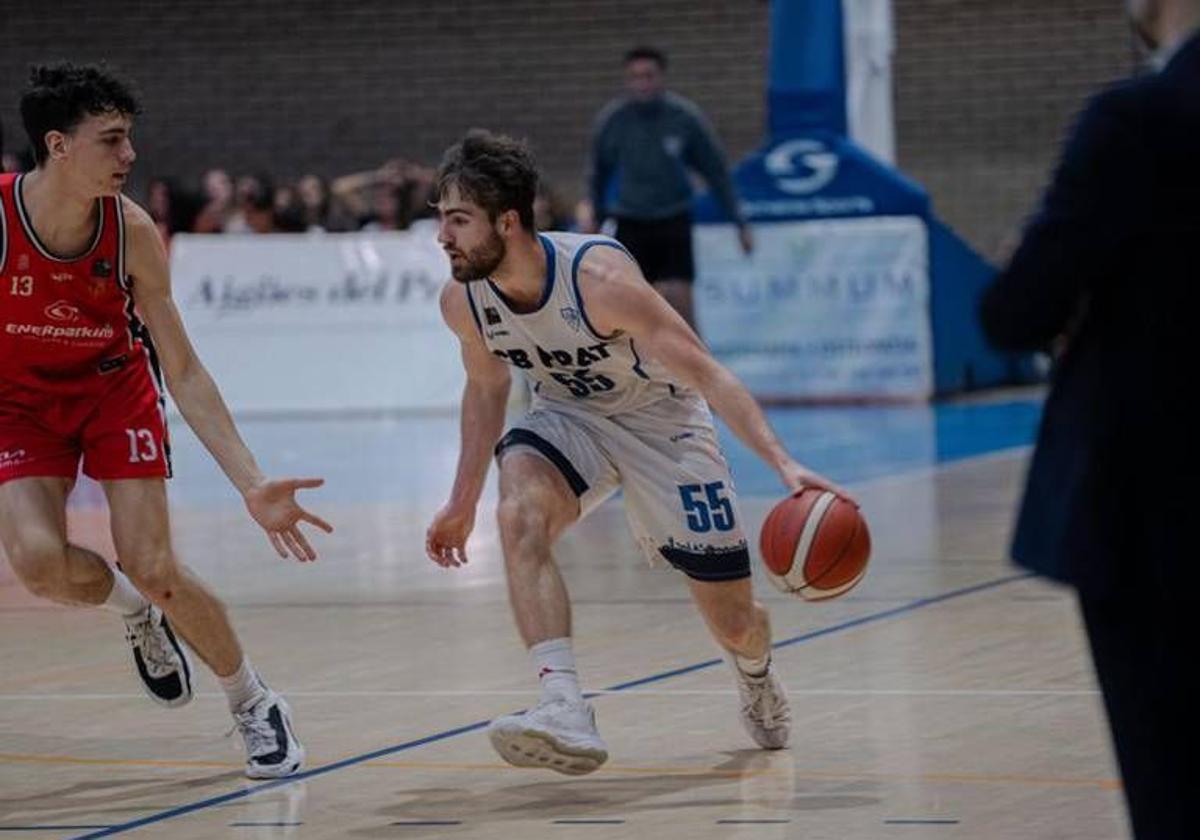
x=389, y=197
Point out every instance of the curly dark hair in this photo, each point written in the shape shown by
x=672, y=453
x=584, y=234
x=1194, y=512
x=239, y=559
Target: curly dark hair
x=61, y=95
x=494, y=171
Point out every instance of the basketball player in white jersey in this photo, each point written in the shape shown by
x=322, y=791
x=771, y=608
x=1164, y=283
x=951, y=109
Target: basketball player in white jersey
x=620, y=387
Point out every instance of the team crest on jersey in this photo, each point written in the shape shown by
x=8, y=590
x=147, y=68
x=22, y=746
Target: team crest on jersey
x=23, y=262
x=571, y=315
x=101, y=268
x=62, y=276
x=491, y=315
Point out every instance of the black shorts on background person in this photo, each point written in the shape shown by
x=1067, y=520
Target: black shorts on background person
x=662, y=247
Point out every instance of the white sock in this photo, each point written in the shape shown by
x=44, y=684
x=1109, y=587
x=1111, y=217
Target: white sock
x=242, y=688
x=124, y=599
x=753, y=667
x=555, y=663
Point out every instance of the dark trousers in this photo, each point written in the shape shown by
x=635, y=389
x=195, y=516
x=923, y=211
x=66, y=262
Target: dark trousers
x=1142, y=645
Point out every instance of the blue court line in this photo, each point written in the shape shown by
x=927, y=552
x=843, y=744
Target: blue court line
x=404, y=823
x=462, y=730
x=920, y=822
x=48, y=827
x=835, y=628
x=262, y=824
x=256, y=789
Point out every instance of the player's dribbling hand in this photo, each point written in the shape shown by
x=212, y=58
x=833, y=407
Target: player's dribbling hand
x=274, y=507
x=796, y=476
x=446, y=539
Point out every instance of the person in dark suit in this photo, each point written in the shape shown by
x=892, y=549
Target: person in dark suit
x=1107, y=276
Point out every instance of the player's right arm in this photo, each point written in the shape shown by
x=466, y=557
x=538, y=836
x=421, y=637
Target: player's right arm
x=482, y=420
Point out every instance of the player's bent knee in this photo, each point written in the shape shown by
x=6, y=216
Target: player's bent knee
x=155, y=572
x=41, y=565
x=520, y=520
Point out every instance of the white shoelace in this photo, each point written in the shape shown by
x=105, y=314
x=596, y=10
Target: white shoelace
x=256, y=731
x=152, y=642
x=761, y=704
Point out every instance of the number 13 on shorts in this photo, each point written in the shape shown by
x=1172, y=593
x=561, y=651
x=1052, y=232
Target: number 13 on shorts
x=142, y=446
x=707, y=507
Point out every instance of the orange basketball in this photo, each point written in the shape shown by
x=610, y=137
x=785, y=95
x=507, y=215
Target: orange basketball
x=815, y=544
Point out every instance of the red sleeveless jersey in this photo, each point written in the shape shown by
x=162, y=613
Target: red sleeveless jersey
x=63, y=322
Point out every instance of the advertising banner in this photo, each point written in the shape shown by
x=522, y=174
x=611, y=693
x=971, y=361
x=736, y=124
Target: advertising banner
x=333, y=322
x=821, y=310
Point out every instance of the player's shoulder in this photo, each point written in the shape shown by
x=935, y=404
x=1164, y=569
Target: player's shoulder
x=456, y=307
x=602, y=262
x=138, y=222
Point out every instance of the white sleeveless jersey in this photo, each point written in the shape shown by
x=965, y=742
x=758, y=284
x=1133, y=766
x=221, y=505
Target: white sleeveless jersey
x=557, y=347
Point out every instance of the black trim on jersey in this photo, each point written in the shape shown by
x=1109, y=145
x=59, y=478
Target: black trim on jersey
x=606, y=243
x=714, y=564
x=138, y=331
x=517, y=437
x=637, y=361
x=474, y=311
x=3, y=232
x=547, y=289
x=32, y=236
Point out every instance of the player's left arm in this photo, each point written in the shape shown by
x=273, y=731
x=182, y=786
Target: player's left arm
x=272, y=503
x=620, y=300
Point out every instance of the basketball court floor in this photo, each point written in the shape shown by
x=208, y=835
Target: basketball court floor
x=948, y=696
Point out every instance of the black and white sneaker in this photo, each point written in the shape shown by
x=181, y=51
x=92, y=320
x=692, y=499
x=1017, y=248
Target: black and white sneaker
x=272, y=749
x=160, y=657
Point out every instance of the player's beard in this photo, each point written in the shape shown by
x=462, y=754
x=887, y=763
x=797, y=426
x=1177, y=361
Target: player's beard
x=481, y=262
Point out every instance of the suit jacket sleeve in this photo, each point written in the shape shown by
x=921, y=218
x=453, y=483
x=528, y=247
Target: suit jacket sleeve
x=1080, y=236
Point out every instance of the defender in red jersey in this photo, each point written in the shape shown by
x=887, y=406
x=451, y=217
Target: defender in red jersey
x=88, y=335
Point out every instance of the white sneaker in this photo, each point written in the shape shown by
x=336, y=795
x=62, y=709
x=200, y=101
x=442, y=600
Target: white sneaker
x=272, y=749
x=557, y=734
x=765, y=710
x=160, y=658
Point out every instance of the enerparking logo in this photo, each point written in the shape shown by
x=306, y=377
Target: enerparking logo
x=62, y=311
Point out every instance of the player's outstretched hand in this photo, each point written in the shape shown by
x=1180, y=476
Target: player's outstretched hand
x=796, y=476
x=446, y=539
x=274, y=507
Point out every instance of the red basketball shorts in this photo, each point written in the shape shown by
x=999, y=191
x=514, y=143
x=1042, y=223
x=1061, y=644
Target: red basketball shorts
x=116, y=425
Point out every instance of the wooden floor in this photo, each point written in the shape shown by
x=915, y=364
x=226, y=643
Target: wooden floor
x=947, y=697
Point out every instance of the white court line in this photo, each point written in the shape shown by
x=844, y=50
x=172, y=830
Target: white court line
x=462, y=692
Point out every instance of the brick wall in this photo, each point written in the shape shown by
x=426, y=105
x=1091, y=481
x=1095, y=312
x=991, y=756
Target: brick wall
x=291, y=86
x=983, y=87
x=985, y=90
